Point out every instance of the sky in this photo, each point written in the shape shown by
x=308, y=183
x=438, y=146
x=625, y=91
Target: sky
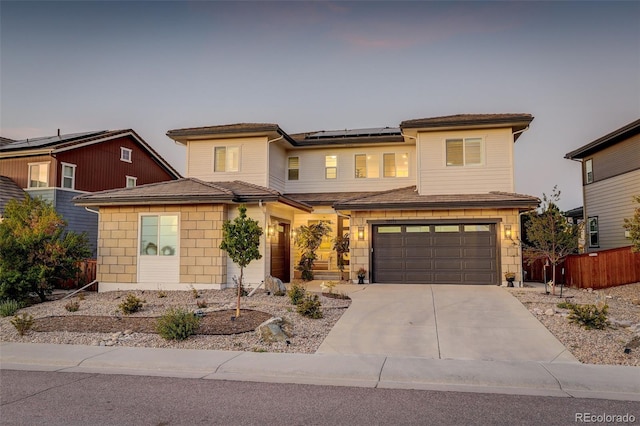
x=307, y=66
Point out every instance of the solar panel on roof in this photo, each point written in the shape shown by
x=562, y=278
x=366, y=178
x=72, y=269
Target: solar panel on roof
x=47, y=140
x=376, y=131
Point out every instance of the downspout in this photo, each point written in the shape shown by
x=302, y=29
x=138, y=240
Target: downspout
x=418, y=162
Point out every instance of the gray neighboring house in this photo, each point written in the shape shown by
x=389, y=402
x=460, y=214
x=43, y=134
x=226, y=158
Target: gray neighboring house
x=610, y=180
x=9, y=190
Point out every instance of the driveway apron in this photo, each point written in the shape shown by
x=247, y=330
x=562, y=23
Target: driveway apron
x=442, y=322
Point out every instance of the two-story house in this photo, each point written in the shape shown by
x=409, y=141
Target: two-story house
x=430, y=201
x=57, y=168
x=610, y=180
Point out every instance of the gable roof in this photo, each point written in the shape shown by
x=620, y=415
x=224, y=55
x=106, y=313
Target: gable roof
x=9, y=190
x=408, y=198
x=66, y=142
x=618, y=135
x=187, y=191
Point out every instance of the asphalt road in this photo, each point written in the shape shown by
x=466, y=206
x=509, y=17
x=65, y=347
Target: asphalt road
x=39, y=398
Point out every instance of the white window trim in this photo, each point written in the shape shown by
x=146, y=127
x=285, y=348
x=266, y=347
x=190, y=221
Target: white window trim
x=135, y=182
x=464, y=163
x=397, y=158
x=122, y=157
x=289, y=168
x=226, y=159
x=355, y=168
x=62, y=176
x=588, y=174
x=176, y=254
x=596, y=232
x=48, y=163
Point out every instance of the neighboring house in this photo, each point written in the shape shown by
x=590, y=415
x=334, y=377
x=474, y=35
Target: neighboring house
x=9, y=190
x=57, y=168
x=610, y=179
x=430, y=201
x=576, y=217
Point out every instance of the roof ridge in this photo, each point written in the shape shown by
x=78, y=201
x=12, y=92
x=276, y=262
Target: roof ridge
x=214, y=186
x=253, y=185
x=378, y=193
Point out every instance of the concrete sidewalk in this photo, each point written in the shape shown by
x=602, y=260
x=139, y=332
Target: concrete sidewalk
x=376, y=371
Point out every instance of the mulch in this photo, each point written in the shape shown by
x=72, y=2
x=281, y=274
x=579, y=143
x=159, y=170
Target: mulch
x=214, y=323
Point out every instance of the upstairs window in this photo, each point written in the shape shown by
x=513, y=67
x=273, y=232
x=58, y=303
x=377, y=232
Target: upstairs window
x=588, y=171
x=367, y=166
x=293, y=168
x=396, y=165
x=464, y=152
x=39, y=175
x=125, y=154
x=593, y=232
x=331, y=166
x=131, y=181
x=226, y=159
x=68, y=176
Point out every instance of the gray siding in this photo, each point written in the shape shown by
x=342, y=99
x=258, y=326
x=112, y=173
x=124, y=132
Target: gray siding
x=611, y=200
x=620, y=158
x=78, y=218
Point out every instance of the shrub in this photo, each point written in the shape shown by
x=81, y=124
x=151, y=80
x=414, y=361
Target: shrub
x=589, y=316
x=177, y=324
x=8, y=308
x=565, y=305
x=279, y=293
x=131, y=304
x=72, y=306
x=309, y=307
x=81, y=296
x=22, y=323
x=162, y=294
x=296, y=293
x=201, y=304
x=195, y=293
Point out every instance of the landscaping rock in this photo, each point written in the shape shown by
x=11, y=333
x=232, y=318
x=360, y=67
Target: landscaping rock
x=275, y=330
x=549, y=312
x=274, y=285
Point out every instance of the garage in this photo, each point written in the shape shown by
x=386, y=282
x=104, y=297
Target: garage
x=444, y=253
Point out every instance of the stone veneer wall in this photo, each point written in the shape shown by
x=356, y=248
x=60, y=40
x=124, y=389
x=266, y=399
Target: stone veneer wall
x=509, y=249
x=201, y=260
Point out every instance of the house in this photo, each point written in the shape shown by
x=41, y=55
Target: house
x=610, y=179
x=57, y=168
x=430, y=201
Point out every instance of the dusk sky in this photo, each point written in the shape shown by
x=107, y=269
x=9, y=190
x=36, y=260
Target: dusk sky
x=156, y=66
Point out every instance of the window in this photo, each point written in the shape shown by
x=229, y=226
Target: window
x=39, y=175
x=331, y=166
x=131, y=181
x=367, y=166
x=125, y=154
x=464, y=152
x=158, y=235
x=68, y=176
x=588, y=171
x=293, y=168
x=396, y=165
x=593, y=232
x=226, y=159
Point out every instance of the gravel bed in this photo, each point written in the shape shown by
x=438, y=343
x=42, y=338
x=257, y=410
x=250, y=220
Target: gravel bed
x=605, y=346
x=308, y=333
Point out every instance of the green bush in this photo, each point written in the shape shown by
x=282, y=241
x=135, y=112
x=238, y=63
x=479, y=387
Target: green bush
x=72, y=306
x=589, y=316
x=8, y=308
x=177, y=324
x=22, y=323
x=296, y=293
x=131, y=304
x=309, y=307
x=565, y=305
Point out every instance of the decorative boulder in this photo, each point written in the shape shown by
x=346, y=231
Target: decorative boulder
x=274, y=285
x=275, y=330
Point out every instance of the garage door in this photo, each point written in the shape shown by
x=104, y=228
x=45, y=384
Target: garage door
x=446, y=254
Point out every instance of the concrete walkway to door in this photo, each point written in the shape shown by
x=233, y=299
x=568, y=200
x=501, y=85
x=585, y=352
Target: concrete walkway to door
x=441, y=322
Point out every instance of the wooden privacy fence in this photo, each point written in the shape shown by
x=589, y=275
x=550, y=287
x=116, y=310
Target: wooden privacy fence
x=85, y=276
x=602, y=269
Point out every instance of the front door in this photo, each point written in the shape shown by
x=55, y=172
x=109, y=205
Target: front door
x=280, y=258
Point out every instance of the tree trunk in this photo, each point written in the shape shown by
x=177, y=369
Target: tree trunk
x=239, y=292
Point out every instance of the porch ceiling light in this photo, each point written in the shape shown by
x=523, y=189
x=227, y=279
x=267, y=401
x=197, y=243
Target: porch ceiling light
x=361, y=232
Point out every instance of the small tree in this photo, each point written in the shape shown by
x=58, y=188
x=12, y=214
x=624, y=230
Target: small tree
x=307, y=240
x=241, y=241
x=550, y=236
x=633, y=226
x=341, y=246
x=35, y=250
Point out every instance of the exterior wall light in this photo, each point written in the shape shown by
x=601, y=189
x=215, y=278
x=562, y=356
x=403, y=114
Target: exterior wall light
x=507, y=232
x=361, y=232
x=271, y=230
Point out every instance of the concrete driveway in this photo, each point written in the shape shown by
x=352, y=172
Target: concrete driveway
x=441, y=322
